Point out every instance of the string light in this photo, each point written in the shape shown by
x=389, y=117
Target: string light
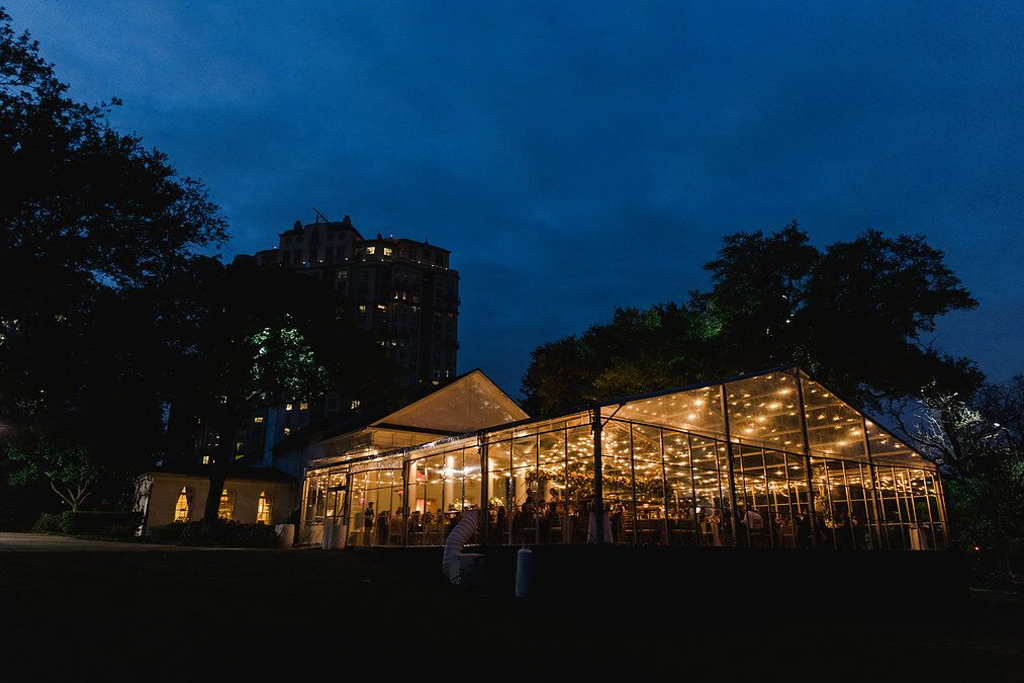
x=645, y=450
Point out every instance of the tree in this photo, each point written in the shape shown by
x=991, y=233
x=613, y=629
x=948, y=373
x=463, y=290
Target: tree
x=865, y=311
x=978, y=440
x=68, y=468
x=90, y=221
x=638, y=351
x=244, y=335
x=855, y=315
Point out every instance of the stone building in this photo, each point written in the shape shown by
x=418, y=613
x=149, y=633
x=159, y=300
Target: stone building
x=399, y=290
x=250, y=495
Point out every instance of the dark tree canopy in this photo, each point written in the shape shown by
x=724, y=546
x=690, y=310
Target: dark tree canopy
x=856, y=315
x=90, y=222
x=109, y=313
x=978, y=440
x=242, y=335
x=88, y=219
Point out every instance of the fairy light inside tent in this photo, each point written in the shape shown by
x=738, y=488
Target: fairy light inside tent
x=773, y=460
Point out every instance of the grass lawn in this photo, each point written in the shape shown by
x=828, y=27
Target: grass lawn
x=308, y=615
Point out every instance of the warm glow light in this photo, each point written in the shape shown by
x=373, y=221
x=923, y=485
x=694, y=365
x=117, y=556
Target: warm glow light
x=181, y=507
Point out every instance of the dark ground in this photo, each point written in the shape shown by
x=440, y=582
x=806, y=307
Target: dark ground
x=309, y=615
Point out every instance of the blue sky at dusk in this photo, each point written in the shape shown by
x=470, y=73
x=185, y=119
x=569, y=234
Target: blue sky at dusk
x=575, y=157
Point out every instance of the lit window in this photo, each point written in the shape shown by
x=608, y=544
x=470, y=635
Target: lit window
x=258, y=419
x=206, y=460
x=371, y=250
x=227, y=504
x=388, y=251
x=362, y=308
x=303, y=406
x=287, y=406
x=355, y=404
x=264, y=509
x=382, y=307
x=239, y=456
x=181, y=507
x=287, y=431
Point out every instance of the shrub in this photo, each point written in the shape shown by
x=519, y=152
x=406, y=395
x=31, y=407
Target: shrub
x=114, y=524
x=225, y=534
x=49, y=524
x=123, y=531
x=103, y=523
x=170, y=533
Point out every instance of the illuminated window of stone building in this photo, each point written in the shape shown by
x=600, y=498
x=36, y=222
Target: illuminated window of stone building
x=227, y=504
x=264, y=508
x=181, y=507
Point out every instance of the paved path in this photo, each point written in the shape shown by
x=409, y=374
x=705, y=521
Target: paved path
x=61, y=544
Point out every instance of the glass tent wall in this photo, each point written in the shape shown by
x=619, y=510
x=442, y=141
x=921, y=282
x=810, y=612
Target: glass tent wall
x=773, y=460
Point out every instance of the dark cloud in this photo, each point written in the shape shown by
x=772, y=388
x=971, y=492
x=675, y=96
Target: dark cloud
x=579, y=156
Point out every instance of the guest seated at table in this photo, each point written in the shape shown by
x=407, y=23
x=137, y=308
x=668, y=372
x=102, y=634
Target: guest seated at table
x=415, y=522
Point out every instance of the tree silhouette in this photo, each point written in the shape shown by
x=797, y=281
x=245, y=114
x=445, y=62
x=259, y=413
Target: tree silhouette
x=241, y=336
x=856, y=315
x=90, y=221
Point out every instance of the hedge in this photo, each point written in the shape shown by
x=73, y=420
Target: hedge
x=116, y=524
x=225, y=534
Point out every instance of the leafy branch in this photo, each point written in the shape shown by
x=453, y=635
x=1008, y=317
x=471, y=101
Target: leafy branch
x=68, y=468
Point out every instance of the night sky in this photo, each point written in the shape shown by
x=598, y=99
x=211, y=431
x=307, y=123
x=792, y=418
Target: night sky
x=575, y=157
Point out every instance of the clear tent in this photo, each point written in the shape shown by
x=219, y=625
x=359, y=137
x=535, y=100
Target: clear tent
x=770, y=460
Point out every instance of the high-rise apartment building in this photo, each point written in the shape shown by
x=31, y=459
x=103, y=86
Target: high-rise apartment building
x=399, y=290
